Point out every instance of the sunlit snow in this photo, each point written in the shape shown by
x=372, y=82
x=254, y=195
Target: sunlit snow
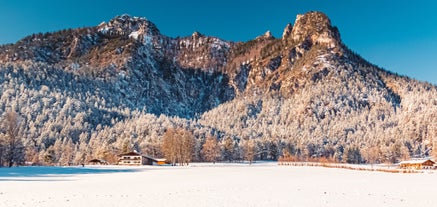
x=260, y=184
x=134, y=35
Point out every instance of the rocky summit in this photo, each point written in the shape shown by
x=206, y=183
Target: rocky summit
x=305, y=93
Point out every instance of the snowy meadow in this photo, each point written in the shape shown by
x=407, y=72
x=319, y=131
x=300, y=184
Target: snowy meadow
x=259, y=184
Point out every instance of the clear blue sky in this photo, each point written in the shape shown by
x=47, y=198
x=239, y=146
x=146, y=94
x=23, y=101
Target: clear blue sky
x=399, y=35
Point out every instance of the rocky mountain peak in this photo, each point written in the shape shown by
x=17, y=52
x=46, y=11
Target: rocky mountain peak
x=125, y=24
x=196, y=35
x=287, y=31
x=315, y=27
x=266, y=35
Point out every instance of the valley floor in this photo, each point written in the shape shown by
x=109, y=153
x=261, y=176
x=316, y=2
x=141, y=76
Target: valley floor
x=260, y=184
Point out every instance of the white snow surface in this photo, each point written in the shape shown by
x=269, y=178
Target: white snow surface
x=260, y=184
x=104, y=29
x=134, y=34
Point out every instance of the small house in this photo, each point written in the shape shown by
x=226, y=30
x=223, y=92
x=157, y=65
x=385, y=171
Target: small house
x=417, y=164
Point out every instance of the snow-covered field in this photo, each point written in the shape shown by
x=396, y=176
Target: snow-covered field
x=260, y=184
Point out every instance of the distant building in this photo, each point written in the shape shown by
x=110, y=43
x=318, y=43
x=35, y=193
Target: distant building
x=154, y=161
x=417, y=164
x=97, y=162
x=135, y=158
x=131, y=158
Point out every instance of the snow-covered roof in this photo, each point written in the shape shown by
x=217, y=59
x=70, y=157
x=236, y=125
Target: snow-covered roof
x=155, y=159
x=130, y=154
x=415, y=161
x=160, y=159
x=138, y=154
x=98, y=160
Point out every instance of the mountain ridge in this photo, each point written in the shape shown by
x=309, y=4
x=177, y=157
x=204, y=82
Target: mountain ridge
x=120, y=82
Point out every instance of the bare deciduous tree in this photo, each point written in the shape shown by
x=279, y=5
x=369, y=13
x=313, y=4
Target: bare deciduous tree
x=249, y=150
x=210, y=149
x=372, y=155
x=187, y=146
x=12, y=149
x=169, y=146
x=2, y=148
x=228, y=149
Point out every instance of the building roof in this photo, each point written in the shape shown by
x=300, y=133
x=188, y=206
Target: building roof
x=97, y=160
x=146, y=156
x=160, y=159
x=155, y=159
x=416, y=161
x=130, y=154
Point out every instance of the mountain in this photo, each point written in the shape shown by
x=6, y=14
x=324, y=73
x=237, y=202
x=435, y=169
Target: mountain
x=97, y=91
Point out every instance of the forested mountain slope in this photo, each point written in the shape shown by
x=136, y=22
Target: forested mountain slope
x=96, y=92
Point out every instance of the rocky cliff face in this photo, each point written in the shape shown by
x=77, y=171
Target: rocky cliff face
x=190, y=75
x=315, y=28
x=173, y=76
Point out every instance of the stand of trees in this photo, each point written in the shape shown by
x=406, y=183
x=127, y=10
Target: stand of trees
x=178, y=146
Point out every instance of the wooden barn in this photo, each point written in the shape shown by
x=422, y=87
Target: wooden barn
x=154, y=161
x=97, y=162
x=417, y=164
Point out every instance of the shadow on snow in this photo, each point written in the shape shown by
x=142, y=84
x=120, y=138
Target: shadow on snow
x=48, y=173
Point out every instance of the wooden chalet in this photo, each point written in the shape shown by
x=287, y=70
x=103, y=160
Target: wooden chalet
x=135, y=158
x=417, y=164
x=131, y=158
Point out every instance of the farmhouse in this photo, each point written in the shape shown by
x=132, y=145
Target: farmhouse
x=417, y=164
x=131, y=158
x=135, y=158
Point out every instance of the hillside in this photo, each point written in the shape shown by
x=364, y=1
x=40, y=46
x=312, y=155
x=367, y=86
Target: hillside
x=95, y=92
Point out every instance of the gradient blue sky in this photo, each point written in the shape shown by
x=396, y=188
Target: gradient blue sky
x=399, y=35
